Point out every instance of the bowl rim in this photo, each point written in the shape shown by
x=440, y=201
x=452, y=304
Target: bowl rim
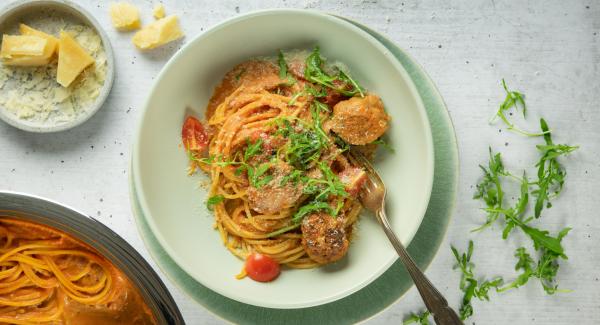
x=127, y=259
x=14, y=7
x=215, y=28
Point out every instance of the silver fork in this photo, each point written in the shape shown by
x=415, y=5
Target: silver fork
x=372, y=198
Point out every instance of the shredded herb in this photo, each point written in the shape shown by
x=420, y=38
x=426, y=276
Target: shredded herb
x=256, y=175
x=422, y=318
x=294, y=177
x=239, y=74
x=513, y=99
x=252, y=149
x=283, y=230
x=490, y=188
x=384, y=144
x=308, y=90
x=469, y=284
x=214, y=200
x=545, y=270
x=305, y=142
x=551, y=174
x=283, y=70
x=314, y=73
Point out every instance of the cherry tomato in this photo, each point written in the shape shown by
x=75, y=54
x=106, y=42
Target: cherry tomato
x=261, y=268
x=193, y=135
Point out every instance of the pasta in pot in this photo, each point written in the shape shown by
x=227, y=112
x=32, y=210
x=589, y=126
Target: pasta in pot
x=48, y=277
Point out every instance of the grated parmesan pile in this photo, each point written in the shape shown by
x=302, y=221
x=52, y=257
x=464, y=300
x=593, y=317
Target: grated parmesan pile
x=33, y=94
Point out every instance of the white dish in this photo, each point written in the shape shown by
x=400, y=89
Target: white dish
x=28, y=11
x=173, y=203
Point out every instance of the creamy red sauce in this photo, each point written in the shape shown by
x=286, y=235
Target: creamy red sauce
x=121, y=305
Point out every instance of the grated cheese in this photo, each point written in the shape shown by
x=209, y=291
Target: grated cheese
x=33, y=94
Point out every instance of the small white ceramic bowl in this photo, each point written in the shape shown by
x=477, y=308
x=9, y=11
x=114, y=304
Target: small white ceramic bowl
x=173, y=203
x=14, y=13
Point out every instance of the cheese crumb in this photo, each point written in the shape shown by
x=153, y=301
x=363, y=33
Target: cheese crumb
x=125, y=16
x=158, y=33
x=159, y=11
x=72, y=59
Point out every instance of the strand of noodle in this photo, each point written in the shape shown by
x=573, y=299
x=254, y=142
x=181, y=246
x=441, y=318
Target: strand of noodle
x=43, y=283
x=71, y=289
x=16, y=302
x=14, y=285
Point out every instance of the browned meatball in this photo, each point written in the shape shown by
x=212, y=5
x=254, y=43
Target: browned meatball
x=360, y=120
x=274, y=197
x=324, y=238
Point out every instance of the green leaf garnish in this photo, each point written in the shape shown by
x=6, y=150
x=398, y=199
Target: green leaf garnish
x=469, y=284
x=256, y=175
x=513, y=99
x=384, y=144
x=490, y=188
x=283, y=70
x=314, y=73
x=252, y=149
x=422, y=319
x=214, y=200
x=551, y=174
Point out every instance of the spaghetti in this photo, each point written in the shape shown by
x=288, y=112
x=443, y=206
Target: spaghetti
x=48, y=277
x=275, y=146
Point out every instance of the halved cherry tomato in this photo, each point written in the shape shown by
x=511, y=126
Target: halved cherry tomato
x=261, y=268
x=193, y=135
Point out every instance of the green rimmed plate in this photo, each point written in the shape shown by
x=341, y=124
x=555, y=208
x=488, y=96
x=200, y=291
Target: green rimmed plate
x=390, y=286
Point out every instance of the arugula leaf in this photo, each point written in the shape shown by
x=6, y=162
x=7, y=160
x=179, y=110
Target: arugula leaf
x=214, y=200
x=469, y=284
x=311, y=207
x=545, y=269
x=217, y=161
x=422, y=319
x=252, y=149
x=548, y=265
x=283, y=230
x=512, y=99
x=525, y=263
x=294, y=177
x=551, y=174
x=283, y=70
x=255, y=175
x=384, y=144
x=490, y=189
x=306, y=142
x=314, y=73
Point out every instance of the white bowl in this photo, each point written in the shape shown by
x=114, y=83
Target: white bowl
x=173, y=203
x=27, y=10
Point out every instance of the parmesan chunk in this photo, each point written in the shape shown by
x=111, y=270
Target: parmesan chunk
x=125, y=16
x=52, y=45
x=72, y=60
x=159, y=11
x=158, y=33
x=14, y=45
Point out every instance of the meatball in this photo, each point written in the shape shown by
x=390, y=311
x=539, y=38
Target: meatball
x=360, y=120
x=324, y=238
x=274, y=197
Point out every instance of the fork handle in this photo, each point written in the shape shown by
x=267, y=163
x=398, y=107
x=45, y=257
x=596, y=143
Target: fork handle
x=434, y=301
